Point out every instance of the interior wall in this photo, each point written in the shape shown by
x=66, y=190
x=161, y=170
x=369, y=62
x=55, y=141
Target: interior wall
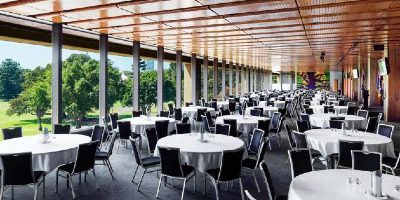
x=335, y=75
x=392, y=97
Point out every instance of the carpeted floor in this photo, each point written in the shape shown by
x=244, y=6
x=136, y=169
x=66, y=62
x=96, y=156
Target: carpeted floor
x=122, y=188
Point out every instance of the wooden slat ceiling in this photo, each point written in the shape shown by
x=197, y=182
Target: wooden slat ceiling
x=291, y=34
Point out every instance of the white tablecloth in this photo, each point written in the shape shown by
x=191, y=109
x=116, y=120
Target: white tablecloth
x=326, y=141
x=139, y=124
x=320, y=109
x=61, y=149
x=332, y=184
x=202, y=156
x=192, y=110
x=223, y=104
x=279, y=104
x=244, y=125
x=268, y=110
x=322, y=120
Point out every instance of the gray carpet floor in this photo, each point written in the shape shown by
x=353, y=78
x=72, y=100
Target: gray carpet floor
x=122, y=188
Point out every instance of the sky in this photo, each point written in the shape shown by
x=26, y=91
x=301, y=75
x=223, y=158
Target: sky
x=30, y=56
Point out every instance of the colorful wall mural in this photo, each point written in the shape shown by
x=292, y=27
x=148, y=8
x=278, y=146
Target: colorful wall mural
x=313, y=80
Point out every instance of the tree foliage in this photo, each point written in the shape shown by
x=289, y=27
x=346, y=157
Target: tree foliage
x=11, y=78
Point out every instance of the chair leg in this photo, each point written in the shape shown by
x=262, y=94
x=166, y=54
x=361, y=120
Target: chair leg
x=216, y=190
x=110, y=170
x=241, y=188
x=1, y=192
x=72, y=187
x=109, y=163
x=44, y=183
x=141, y=179
x=194, y=181
x=134, y=174
x=95, y=181
x=183, y=188
x=56, y=181
x=255, y=180
x=205, y=186
x=159, y=185
x=35, y=186
x=12, y=192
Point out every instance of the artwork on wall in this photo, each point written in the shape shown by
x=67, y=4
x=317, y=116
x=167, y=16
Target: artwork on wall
x=313, y=80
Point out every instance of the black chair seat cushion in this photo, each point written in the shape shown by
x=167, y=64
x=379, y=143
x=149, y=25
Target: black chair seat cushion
x=101, y=155
x=37, y=175
x=187, y=170
x=150, y=161
x=315, y=127
x=67, y=167
x=249, y=163
x=281, y=198
x=391, y=162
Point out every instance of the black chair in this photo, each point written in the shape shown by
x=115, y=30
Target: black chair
x=104, y=156
x=171, y=167
x=233, y=130
x=137, y=113
x=336, y=124
x=366, y=161
x=255, y=142
x=17, y=170
x=255, y=112
x=326, y=108
x=385, y=130
x=84, y=163
x=302, y=126
x=264, y=125
x=351, y=110
x=390, y=164
x=268, y=181
x=309, y=111
x=97, y=134
x=300, y=161
x=261, y=111
x=152, y=138
x=362, y=113
x=292, y=143
x=164, y=113
x=345, y=147
x=249, y=104
x=114, y=119
x=200, y=112
x=230, y=170
x=162, y=128
x=182, y=128
x=10, y=133
x=252, y=164
x=178, y=114
x=372, y=125
x=185, y=120
x=210, y=121
x=276, y=124
x=148, y=164
x=300, y=142
x=61, y=129
x=125, y=132
x=232, y=106
x=223, y=129
x=224, y=112
x=205, y=127
x=187, y=104
x=171, y=109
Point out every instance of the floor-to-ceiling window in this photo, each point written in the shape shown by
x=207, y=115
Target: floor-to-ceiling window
x=169, y=84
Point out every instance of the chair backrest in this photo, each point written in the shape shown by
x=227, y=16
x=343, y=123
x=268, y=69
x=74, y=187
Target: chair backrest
x=17, y=169
x=366, y=161
x=351, y=110
x=385, y=130
x=261, y=152
x=362, y=113
x=255, y=112
x=300, y=140
x=233, y=130
x=231, y=165
x=178, y=114
x=86, y=157
x=136, y=152
x=345, y=148
x=185, y=119
x=10, y=133
x=162, y=128
x=171, y=108
x=110, y=145
x=264, y=124
x=164, y=113
x=209, y=119
x=205, y=126
x=187, y=104
x=152, y=139
x=309, y=111
x=224, y=111
x=124, y=128
x=305, y=117
x=256, y=139
x=372, y=124
x=300, y=161
x=276, y=117
x=338, y=124
x=200, y=112
x=61, y=129
x=222, y=129
x=213, y=104
x=114, y=118
x=249, y=104
x=290, y=136
x=182, y=128
x=97, y=133
x=232, y=106
x=267, y=180
x=302, y=126
x=170, y=161
x=137, y=113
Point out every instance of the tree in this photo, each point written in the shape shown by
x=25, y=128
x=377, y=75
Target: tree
x=11, y=78
x=34, y=100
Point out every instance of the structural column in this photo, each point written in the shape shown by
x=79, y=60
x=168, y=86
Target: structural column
x=193, y=80
x=230, y=78
x=251, y=79
x=243, y=82
x=56, y=74
x=237, y=79
x=215, y=78
x=136, y=74
x=103, y=76
x=160, y=77
x=205, y=78
x=178, y=102
x=223, y=78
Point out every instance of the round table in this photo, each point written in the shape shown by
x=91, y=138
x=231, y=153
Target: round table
x=61, y=149
x=192, y=110
x=333, y=184
x=268, y=110
x=202, y=156
x=320, y=109
x=326, y=141
x=244, y=124
x=322, y=120
x=279, y=104
x=139, y=124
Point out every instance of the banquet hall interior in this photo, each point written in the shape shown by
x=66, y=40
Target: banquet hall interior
x=200, y=99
